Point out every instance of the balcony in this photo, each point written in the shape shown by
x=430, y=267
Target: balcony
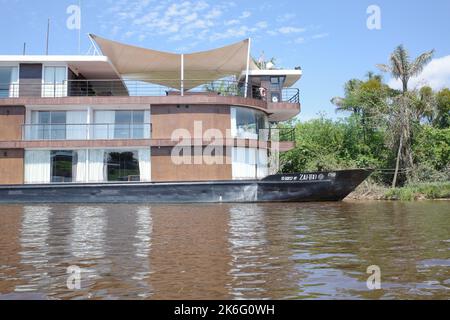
x=79, y=132
x=134, y=88
x=285, y=137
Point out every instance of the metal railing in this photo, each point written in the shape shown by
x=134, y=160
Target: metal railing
x=269, y=134
x=96, y=131
x=291, y=95
x=154, y=87
x=283, y=134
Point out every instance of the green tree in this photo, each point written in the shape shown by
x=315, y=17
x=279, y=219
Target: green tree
x=442, y=117
x=366, y=99
x=401, y=67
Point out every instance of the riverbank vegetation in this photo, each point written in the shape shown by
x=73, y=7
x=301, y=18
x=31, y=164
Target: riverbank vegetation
x=403, y=134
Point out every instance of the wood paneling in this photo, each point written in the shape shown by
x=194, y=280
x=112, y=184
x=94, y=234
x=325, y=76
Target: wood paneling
x=278, y=111
x=168, y=118
x=11, y=166
x=11, y=120
x=120, y=100
x=164, y=169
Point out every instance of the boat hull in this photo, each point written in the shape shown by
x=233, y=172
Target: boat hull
x=299, y=187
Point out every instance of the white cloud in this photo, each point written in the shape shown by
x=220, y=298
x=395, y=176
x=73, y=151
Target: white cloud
x=150, y=18
x=320, y=36
x=214, y=13
x=285, y=17
x=176, y=20
x=191, y=17
x=192, y=21
x=231, y=22
x=240, y=32
x=436, y=75
x=287, y=30
x=245, y=14
x=262, y=24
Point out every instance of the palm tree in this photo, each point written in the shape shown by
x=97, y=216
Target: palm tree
x=350, y=101
x=401, y=67
x=372, y=76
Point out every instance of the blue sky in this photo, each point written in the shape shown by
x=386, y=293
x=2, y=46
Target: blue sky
x=329, y=39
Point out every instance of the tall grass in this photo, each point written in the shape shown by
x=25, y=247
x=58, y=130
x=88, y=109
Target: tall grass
x=439, y=190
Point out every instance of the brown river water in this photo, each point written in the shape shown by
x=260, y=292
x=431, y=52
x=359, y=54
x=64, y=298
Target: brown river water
x=228, y=251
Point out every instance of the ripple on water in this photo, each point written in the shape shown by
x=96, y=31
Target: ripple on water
x=227, y=251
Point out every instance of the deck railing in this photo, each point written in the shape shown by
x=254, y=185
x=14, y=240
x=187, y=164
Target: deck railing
x=286, y=134
x=129, y=131
x=102, y=88
x=97, y=131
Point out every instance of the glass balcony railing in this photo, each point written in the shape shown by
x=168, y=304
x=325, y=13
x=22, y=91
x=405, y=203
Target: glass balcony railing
x=98, y=131
x=150, y=88
x=286, y=134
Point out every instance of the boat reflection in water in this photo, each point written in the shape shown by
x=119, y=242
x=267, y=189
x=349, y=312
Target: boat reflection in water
x=228, y=251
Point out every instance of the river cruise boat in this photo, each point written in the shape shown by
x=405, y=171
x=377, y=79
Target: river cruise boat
x=130, y=124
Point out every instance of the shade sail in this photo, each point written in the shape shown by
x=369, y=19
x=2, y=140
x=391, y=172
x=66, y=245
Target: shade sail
x=164, y=68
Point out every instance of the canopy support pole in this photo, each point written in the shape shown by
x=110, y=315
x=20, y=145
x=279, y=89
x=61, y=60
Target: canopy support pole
x=247, y=70
x=182, y=75
x=95, y=52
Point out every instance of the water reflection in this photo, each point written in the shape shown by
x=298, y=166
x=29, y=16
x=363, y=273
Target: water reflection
x=236, y=251
x=189, y=255
x=35, y=248
x=88, y=237
x=260, y=264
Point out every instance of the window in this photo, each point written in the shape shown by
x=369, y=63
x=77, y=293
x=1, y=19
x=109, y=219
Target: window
x=55, y=82
x=9, y=79
x=119, y=165
x=62, y=163
x=123, y=166
x=275, y=80
x=249, y=163
x=129, y=124
x=248, y=123
x=245, y=120
x=51, y=125
x=122, y=124
x=47, y=125
x=57, y=125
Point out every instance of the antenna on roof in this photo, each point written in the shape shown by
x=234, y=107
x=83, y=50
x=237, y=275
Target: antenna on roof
x=48, y=36
x=24, y=48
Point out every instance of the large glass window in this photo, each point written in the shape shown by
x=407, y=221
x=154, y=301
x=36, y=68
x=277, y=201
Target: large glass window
x=62, y=163
x=123, y=166
x=57, y=125
x=248, y=123
x=119, y=165
x=129, y=124
x=55, y=82
x=51, y=125
x=9, y=79
x=122, y=124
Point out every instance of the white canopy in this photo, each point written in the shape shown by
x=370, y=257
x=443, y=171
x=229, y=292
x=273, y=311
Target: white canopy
x=164, y=68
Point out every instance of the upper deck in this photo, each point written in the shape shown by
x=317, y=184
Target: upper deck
x=131, y=75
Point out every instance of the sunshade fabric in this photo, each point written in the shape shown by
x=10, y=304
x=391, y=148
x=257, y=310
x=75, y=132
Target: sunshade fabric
x=164, y=68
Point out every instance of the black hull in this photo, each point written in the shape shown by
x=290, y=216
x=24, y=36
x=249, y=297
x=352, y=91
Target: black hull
x=300, y=187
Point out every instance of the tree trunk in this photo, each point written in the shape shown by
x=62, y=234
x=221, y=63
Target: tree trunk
x=405, y=85
x=397, y=164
